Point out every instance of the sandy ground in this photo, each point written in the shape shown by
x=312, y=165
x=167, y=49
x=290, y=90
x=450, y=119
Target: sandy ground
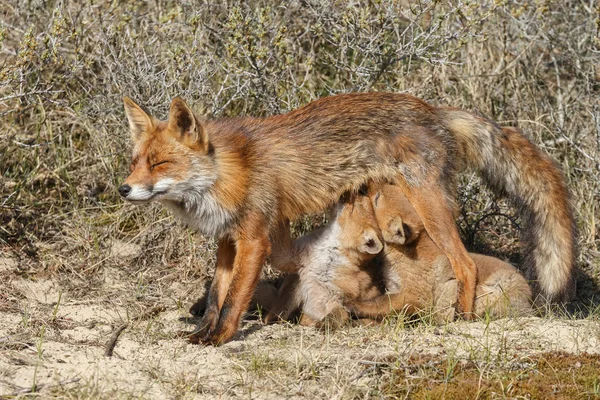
x=58, y=348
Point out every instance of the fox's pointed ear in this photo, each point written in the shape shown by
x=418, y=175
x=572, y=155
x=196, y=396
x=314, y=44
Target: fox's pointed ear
x=139, y=121
x=184, y=125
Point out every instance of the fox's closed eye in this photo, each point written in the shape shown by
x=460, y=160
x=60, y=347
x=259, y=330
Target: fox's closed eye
x=159, y=163
x=377, y=198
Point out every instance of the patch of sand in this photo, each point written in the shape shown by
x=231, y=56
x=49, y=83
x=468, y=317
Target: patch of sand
x=122, y=249
x=45, y=292
x=151, y=361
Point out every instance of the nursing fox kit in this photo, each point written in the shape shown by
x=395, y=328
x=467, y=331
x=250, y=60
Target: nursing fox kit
x=332, y=265
x=241, y=180
x=419, y=277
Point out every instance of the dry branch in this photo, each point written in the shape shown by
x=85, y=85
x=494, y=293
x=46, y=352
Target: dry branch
x=110, y=346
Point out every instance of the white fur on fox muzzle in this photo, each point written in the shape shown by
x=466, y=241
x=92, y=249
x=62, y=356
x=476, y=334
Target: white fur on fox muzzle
x=139, y=193
x=143, y=193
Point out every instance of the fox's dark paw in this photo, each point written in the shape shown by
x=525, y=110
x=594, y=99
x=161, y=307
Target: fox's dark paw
x=215, y=337
x=199, y=307
x=205, y=327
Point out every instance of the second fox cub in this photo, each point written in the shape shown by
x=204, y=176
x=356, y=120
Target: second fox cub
x=337, y=268
x=419, y=277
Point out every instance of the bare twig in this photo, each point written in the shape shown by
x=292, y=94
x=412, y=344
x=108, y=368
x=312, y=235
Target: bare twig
x=110, y=346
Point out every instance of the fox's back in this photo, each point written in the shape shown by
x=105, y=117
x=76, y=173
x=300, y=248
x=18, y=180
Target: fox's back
x=335, y=144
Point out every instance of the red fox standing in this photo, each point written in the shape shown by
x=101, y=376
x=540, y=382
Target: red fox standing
x=242, y=179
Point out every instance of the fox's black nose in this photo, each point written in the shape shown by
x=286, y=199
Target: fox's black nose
x=124, y=190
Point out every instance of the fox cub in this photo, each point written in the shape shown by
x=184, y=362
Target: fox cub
x=334, y=264
x=419, y=276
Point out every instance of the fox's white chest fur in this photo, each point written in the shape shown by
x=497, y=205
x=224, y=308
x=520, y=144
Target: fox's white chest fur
x=198, y=208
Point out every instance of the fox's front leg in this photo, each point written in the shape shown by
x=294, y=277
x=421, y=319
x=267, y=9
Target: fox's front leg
x=252, y=248
x=219, y=287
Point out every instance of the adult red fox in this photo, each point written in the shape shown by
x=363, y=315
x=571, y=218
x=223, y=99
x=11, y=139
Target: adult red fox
x=241, y=180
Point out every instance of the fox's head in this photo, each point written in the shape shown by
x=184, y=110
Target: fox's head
x=359, y=229
x=169, y=157
x=396, y=217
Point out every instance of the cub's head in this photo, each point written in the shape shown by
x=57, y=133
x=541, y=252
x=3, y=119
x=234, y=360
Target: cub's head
x=396, y=217
x=359, y=229
x=169, y=157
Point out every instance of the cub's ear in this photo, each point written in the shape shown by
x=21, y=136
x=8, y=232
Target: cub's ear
x=401, y=232
x=185, y=127
x=411, y=233
x=394, y=232
x=398, y=232
x=371, y=243
x=139, y=121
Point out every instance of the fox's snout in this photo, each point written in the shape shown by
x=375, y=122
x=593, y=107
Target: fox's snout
x=124, y=190
x=146, y=191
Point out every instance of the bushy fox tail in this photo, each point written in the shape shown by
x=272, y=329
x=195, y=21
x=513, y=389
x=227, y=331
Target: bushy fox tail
x=512, y=166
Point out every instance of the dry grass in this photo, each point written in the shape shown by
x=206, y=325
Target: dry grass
x=64, y=149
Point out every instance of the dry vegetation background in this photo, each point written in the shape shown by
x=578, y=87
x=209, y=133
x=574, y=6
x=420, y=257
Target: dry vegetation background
x=65, y=66
x=64, y=143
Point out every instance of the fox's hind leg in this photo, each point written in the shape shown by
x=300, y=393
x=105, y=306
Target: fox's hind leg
x=282, y=249
x=431, y=204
